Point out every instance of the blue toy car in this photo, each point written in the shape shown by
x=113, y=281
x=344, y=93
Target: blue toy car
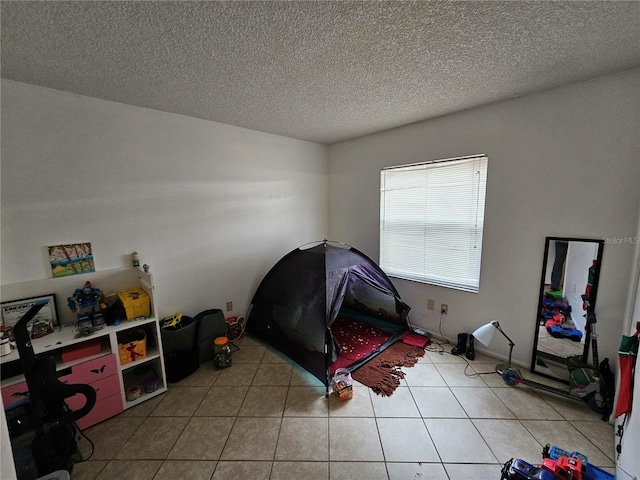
x=561, y=330
x=517, y=469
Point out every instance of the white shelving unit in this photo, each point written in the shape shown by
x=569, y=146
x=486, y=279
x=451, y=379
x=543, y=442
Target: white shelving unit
x=82, y=370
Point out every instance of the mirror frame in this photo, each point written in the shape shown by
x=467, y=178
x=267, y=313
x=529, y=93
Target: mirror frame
x=594, y=294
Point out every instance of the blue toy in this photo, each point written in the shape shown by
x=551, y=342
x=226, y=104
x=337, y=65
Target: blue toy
x=591, y=472
x=87, y=302
x=563, y=331
x=518, y=469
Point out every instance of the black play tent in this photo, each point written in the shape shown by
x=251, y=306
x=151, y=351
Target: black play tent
x=301, y=296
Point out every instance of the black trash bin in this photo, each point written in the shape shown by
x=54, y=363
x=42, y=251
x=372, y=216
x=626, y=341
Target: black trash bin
x=180, y=349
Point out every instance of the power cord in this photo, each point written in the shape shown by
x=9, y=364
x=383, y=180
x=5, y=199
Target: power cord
x=437, y=347
x=440, y=330
x=80, y=457
x=475, y=374
x=442, y=351
x=432, y=347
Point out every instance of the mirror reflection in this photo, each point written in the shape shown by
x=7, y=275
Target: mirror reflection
x=570, y=270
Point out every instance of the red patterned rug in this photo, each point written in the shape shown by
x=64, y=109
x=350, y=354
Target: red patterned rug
x=382, y=373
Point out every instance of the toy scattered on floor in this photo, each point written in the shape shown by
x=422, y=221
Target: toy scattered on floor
x=564, y=468
x=555, y=452
x=557, y=464
x=562, y=330
x=518, y=469
x=555, y=321
x=589, y=471
x=553, y=305
x=341, y=383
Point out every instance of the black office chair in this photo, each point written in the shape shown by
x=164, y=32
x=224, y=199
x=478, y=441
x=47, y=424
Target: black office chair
x=42, y=428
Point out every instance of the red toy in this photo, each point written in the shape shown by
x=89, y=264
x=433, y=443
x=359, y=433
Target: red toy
x=564, y=468
x=557, y=320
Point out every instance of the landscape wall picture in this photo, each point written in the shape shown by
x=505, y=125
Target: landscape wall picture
x=71, y=259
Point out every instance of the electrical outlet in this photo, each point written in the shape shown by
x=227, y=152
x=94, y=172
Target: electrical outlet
x=229, y=306
x=431, y=305
x=444, y=309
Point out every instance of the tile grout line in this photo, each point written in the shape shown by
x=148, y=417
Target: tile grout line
x=373, y=415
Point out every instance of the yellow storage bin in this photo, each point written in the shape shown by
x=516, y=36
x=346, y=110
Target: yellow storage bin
x=135, y=302
x=132, y=346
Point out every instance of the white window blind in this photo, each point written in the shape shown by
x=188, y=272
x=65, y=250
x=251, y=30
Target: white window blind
x=431, y=221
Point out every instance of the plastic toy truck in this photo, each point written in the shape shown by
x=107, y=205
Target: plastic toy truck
x=518, y=469
x=556, y=452
x=563, y=331
x=589, y=471
x=564, y=468
x=557, y=327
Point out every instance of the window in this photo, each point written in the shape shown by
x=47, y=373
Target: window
x=431, y=221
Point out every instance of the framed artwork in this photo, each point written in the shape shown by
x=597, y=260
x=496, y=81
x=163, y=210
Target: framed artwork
x=44, y=321
x=71, y=259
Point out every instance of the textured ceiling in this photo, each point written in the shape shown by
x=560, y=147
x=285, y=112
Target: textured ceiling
x=321, y=71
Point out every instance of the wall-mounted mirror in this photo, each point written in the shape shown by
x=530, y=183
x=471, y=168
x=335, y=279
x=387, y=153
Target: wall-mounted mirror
x=570, y=269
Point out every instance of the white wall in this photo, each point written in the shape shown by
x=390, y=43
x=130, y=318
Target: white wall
x=628, y=467
x=561, y=163
x=210, y=207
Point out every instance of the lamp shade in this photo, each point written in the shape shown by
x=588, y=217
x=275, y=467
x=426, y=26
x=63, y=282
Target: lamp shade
x=485, y=333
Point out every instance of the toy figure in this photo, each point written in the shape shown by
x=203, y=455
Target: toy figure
x=88, y=302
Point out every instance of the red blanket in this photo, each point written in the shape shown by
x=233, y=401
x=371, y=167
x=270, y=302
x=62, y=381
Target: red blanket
x=416, y=340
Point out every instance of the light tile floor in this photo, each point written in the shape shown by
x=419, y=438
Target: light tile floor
x=265, y=418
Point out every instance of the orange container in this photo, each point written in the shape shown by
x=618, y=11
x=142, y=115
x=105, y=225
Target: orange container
x=132, y=347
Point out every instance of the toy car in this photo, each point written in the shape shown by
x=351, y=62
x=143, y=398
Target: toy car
x=552, y=302
x=556, y=320
x=564, y=468
x=589, y=471
x=517, y=469
x=556, y=452
x=563, y=331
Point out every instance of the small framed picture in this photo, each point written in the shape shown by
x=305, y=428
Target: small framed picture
x=71, y=259
x=42, y=324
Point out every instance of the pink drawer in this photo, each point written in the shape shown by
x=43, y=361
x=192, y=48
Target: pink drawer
x=93, y=370
x=14, y=393
x=105, y=387
x=103, y=409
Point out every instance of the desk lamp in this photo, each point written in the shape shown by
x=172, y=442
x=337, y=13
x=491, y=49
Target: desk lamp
x=485, y=334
